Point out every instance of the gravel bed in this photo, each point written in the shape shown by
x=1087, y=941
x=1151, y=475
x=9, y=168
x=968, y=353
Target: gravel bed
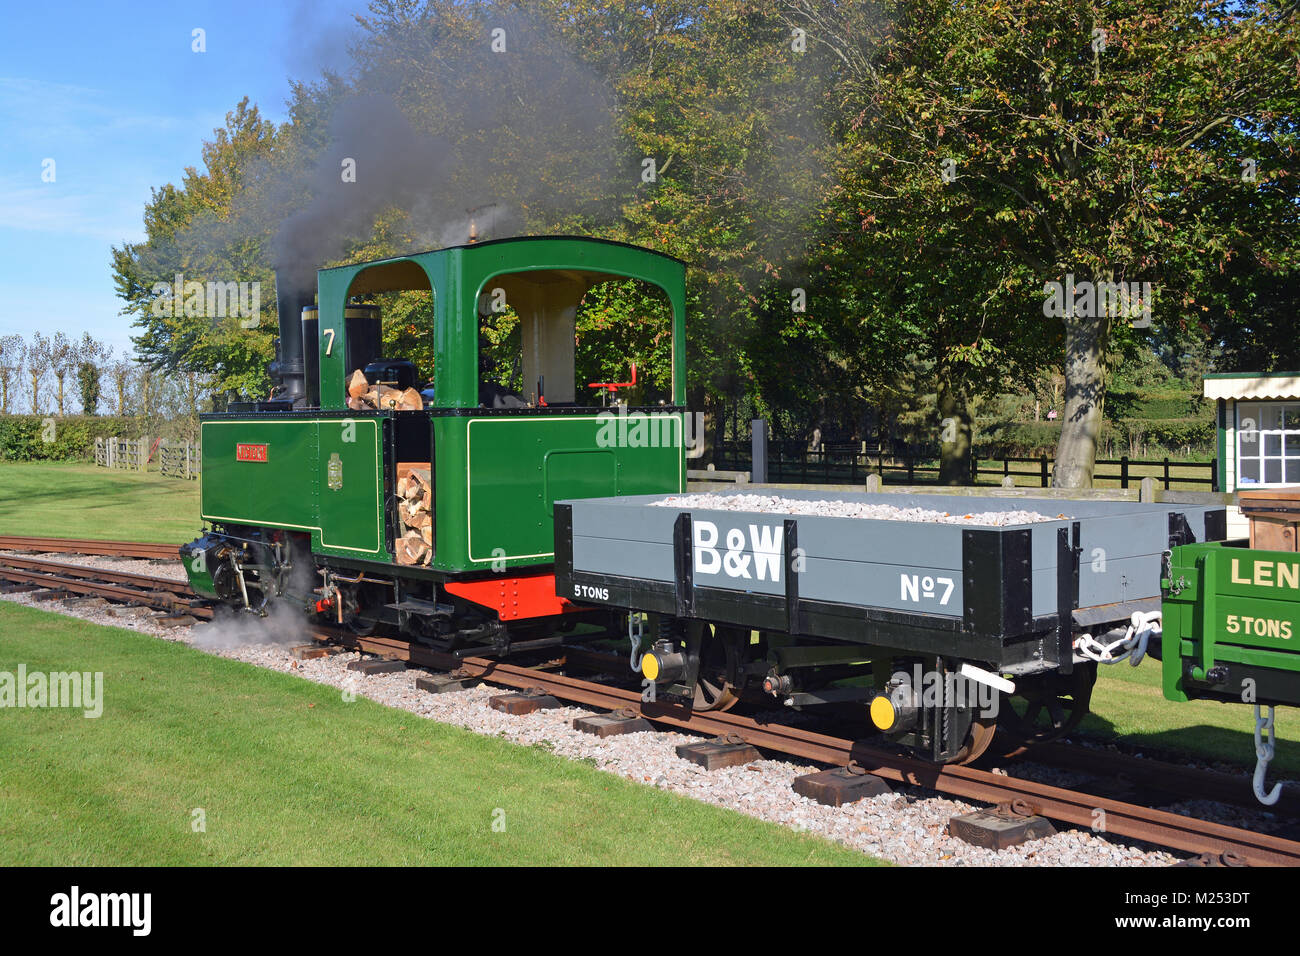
x=774, y=504
x=907, y=827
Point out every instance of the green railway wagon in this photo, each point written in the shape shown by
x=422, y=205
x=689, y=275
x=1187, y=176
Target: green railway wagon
x=302, y=490
x=1230, y=632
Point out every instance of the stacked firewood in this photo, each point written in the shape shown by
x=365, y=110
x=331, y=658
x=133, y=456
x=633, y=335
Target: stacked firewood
x=415, y=511
x=362, y=396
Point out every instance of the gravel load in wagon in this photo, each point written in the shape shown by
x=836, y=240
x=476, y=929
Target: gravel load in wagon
x=839, y=508
x=1002, y=567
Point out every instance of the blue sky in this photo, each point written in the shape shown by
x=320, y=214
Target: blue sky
x=114, y=94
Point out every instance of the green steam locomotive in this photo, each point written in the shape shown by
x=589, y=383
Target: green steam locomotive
x=302, y=490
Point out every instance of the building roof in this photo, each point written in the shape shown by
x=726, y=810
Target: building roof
x=1253, y=385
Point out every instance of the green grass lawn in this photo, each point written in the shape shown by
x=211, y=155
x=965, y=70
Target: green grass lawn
x=287, y=772
x=1128, y=703
x=59, y=500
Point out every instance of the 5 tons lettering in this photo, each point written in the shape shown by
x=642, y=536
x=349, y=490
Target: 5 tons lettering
x=1257, y=626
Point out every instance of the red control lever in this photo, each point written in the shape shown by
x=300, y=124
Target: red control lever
x=615, y=386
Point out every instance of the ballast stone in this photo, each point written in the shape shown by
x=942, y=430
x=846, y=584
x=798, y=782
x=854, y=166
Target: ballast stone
x=775, y=504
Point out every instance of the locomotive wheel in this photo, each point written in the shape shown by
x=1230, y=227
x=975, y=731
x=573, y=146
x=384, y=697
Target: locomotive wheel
x=981, y=734
x=1047, y=707
x=721, y=678
x=359, y=627
x=355, y=598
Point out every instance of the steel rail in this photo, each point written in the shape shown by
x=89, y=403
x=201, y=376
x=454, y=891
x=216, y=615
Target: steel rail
x=121, y=549
x=159, y=597
x=1113, y=817
x=1193, y=783
x=101, y=574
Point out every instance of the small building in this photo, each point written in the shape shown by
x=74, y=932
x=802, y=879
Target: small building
x=1258, y=419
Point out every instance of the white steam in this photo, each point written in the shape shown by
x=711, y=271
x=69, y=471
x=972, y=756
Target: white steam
x=282, y=626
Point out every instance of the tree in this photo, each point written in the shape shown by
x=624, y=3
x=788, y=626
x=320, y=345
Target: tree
x=91, y=356
x=13, y=350
x=892, y=280
x=121, y=371
x=63, y=358
x=995, y=151
x=38, y=366
x=875, y=198
x=146, y=382
x=721, y=159
x=553, y=135
x=196, y=230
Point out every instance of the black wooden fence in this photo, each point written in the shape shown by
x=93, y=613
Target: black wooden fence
x=850, y=465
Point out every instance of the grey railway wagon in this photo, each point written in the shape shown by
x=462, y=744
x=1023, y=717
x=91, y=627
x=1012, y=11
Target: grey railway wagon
x=1012, y=595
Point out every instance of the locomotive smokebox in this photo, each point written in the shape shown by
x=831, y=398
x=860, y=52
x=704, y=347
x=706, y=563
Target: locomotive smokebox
x=295, y=289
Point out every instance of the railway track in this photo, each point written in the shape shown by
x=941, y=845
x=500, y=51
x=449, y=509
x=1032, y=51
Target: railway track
x=141, y=590
x=1161, y=776
x=121, y=549
x=1115, y=817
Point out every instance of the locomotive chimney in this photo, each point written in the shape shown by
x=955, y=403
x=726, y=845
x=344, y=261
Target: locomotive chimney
x=294, y=289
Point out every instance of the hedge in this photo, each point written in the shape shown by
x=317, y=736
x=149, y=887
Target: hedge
x=1027, y=439
x=1030, y=439
x=25, y=437
x=1131, y=405
x=1172, y=432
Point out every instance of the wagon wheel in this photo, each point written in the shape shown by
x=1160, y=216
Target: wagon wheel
x=981, y=734
x=721, y=677
x=1047, y=707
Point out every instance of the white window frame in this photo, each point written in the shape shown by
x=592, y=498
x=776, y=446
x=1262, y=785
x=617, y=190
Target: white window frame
x=1246, y=425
